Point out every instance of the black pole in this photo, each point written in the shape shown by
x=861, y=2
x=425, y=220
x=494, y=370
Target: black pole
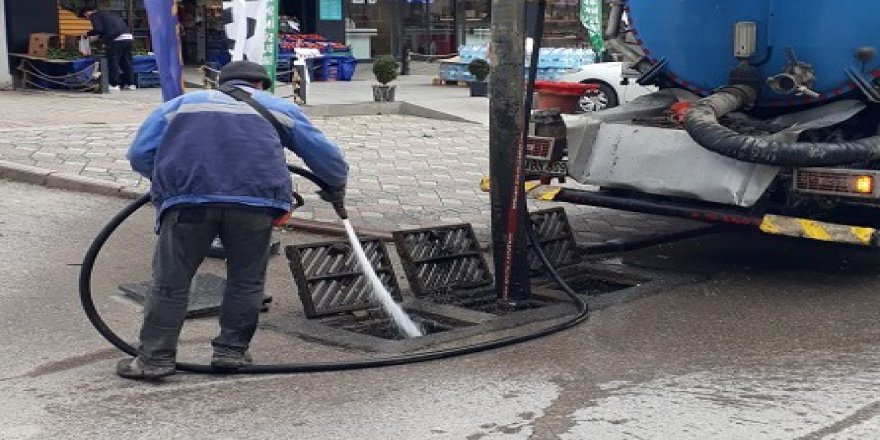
x=506, y=153
x=460, y=23
x=105, y=74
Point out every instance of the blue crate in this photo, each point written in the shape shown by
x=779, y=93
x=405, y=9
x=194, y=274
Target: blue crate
x=284, y=65
x=146, y=80
x=334, y=68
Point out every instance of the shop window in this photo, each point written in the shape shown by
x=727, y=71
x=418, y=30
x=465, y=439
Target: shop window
x=563, y=27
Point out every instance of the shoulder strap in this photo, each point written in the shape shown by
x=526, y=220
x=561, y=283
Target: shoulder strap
x=243, y=96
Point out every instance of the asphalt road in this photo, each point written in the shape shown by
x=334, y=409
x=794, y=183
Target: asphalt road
x=775, y=339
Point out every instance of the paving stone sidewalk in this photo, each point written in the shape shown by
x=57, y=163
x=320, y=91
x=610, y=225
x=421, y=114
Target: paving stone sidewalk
x=407, y=172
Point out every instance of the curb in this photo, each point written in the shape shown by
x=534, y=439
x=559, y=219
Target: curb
x=378, y=108
x=73, y=182
x=67, y=181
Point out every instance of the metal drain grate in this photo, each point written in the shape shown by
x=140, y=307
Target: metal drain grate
x=556, y=237
x=442, y=259
x=205, y=294
x=329, y=279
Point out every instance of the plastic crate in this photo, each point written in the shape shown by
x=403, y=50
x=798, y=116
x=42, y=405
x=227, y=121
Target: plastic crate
x=346, y=68
x=283, y=68
x=147, y=80
x=334, y=68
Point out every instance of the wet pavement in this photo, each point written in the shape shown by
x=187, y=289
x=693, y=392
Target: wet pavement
x=774, y=339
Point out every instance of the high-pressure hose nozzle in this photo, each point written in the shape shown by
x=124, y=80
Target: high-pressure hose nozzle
x=340, y=210
x=335, y=196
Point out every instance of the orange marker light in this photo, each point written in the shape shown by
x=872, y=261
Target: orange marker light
x=865, y=184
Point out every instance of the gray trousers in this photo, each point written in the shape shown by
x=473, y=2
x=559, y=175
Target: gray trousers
x=185, y=237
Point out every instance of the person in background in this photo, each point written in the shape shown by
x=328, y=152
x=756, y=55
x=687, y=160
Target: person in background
x=117, y=39
x=217, y=166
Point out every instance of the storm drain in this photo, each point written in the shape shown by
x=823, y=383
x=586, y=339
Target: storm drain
x=556, y=238
x=486, y=301
x=375, y=323
x=442, y=259
x=591, y=286
x=589, y=280
x=205, y=295
x=329, y=279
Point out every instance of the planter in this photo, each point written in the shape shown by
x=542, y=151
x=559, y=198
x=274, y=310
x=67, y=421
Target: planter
x=564, y=102
x=479, y=88
x=383, y=93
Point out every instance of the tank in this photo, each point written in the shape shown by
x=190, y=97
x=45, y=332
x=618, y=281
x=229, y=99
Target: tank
x=696, y=38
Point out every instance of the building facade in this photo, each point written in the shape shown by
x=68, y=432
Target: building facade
x=430, y=27
x=439, y=27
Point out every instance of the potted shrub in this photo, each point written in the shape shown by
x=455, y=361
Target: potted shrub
x=479, y=68
x=385, y=69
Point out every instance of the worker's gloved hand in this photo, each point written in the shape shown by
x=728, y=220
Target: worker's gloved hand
x=333, y=196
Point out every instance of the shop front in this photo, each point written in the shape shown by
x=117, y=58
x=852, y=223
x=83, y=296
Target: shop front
x=441, y=27
x=430, y=27
x=204, y=38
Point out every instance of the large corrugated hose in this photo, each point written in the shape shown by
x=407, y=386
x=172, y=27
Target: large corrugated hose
x=701, y=122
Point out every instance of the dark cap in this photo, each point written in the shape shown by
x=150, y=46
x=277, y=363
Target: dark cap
x=245, y=71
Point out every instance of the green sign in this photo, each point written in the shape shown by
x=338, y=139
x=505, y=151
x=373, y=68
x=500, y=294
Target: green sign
x=591, y=17
x=330, y=10
x=270, y=46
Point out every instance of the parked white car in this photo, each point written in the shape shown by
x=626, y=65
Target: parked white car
x=611, y=93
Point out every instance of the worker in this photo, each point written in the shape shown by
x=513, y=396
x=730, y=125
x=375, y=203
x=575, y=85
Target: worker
x=217, y=167
x=117, y=39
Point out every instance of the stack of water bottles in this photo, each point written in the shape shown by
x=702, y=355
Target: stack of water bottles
x=553, y=62
x=469, y=53
x=458, y=71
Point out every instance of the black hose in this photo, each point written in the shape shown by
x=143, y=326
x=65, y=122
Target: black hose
x=701, y=122
x=338, y=206
x=88, y=304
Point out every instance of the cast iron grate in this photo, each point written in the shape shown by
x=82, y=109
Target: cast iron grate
x=554, y=232
x=442, y=259
x=329, y=279
x=205, y=294
x=377, y=324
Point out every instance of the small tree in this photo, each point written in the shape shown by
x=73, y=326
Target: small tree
x=479, y=68
x=385, y=69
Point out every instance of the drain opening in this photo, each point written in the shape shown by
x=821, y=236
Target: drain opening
x=486, y=301
x=375, y=323
x=593, y=286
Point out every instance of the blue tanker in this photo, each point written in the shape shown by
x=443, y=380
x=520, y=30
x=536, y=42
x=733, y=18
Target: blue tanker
x=766, y=114
x=694, y=39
